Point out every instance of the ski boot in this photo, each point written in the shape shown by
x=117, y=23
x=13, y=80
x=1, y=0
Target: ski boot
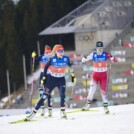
x=106, y=110
x=33, y=113
x=87, y=106
x=63, y=113
x=50, y=112
x=42, y=110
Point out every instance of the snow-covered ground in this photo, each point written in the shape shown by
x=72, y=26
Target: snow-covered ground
x=120, y=121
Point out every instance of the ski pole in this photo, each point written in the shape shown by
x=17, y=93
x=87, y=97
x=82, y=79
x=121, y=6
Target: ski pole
x=72, y=92
x=86, y=74
x=32, y=84
x=108, y=75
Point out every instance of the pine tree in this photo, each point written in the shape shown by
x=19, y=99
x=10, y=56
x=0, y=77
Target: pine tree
x=9, y=46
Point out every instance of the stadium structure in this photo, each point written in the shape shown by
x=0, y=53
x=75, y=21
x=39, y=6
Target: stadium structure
x=110, y=21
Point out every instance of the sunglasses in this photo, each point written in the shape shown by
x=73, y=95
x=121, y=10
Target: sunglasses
x=60, y=51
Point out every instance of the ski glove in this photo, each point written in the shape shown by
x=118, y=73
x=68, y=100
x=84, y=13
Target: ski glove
x=33, y=54
x=73, y=78
x=84, y=59
x=43, y=81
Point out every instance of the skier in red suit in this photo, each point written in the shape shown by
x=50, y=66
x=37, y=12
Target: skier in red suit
x=100, y=74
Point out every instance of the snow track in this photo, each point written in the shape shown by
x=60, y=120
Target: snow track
x=120, y=121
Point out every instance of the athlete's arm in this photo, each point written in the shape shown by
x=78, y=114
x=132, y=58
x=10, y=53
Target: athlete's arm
x=87, y=58
x=47, y=66
x=110, y=57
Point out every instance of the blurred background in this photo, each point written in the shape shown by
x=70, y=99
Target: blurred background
x=27, y=26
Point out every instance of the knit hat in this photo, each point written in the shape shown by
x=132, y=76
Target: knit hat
x=57, y=48
x=47, y=49
x=99, y=44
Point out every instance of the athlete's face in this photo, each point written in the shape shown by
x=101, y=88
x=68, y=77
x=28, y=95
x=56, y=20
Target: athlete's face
x=99, y=50
x=60, y=53
x=48, y=53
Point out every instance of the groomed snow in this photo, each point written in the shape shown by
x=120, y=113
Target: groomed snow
x=120, y=121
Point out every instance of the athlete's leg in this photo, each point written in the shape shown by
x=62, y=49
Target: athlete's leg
x=49, y=99
x=49, y=87
x=51, y=83
x=49, y=105
x=43, y=104
x=103, y=88
x=93, y=87
x=40, y=88
x=62, y=90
